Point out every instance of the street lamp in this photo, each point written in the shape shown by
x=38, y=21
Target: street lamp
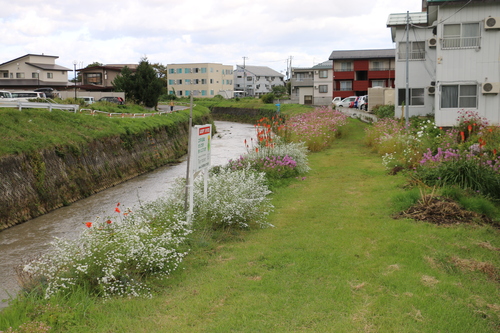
x=74, y=75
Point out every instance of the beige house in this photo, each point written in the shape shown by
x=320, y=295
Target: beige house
x=101, y=77
x=33, y=71
x=203, y=79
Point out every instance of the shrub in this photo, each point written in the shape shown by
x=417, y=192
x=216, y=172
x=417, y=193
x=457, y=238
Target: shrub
x=384, y=111
x=268, y=98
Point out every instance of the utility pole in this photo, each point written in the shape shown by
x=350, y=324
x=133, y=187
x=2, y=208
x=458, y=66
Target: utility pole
x=245, y=75
x=407, y=92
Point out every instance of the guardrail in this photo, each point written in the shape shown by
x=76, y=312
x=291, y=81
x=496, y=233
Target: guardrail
x=35, y=105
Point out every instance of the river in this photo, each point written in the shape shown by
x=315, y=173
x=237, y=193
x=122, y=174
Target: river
x=33, y=237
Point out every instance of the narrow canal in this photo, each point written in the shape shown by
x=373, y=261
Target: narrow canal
x=33, y=237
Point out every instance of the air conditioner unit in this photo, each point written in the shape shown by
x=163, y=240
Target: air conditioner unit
x=432, y=42
x=491, y=88
x=492, y=23
x=431, y=90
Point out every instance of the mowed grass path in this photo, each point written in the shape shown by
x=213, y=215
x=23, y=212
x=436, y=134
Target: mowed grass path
x=335, y=262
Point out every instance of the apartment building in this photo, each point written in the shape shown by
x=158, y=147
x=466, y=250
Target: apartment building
x=314, y=85
x=452, y=52
x=357, y=70
x=200, y=79
x=256, y=80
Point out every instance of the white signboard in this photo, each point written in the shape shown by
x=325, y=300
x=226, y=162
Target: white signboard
x=201, y=137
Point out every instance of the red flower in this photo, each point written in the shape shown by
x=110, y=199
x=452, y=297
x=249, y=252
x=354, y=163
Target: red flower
x=109, y=221
x=462, y=134
x=117, y=210
x=494, y=152
x=469, y=128
x=89, y=224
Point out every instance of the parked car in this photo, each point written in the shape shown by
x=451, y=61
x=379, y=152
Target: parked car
x=363, y=103
x=49, y=92
x=337, y=100
x=27, y=95
x=87, y=99
x=5, y=94
x=347, y=102
x=109, y=99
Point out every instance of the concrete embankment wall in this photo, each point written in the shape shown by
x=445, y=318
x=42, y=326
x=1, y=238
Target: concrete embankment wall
x=36, y=183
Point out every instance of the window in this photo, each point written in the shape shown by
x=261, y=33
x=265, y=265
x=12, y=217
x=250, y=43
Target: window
x=323, y=74
x=5, y=74
x=34, y=75
x=187, y=71
x=378, y=83
x=203, y=81
x=416, y=51
x=203, y=69
x=93, y=78
x=346, y=66
x=179, y=81
x=461, y=35
x=203, y=93
x=179, y=70
x=377, y=66
x=19, y=75
x=171, y=71
x=459, y=96
x=323, y=88
x=416, y=96
x=249, y=78
x=345, y=85
x=187, y=81
x=50, y=75
x=171, y=82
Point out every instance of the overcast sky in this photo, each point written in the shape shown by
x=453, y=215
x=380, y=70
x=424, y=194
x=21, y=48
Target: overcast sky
x=266, y=32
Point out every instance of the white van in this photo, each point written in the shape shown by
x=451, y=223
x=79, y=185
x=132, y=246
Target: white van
x=27, y=95
x=5, y=94
x=88, y=99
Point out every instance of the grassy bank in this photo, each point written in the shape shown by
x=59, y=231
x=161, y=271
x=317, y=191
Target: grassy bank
x=335, y=262
x=34, y=129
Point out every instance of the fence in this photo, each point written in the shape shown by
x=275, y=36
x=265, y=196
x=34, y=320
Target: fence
x=35, y=105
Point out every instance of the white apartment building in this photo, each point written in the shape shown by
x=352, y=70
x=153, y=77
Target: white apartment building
x=200, y=79
x=454, y=59
x=256, y=80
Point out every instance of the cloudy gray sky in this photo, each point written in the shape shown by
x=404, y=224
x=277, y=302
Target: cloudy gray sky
x=266, y=32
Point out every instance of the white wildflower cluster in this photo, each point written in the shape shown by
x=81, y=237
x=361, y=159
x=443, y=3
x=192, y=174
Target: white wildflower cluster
x=113, y=258
x=235, y=198
x=296, y=150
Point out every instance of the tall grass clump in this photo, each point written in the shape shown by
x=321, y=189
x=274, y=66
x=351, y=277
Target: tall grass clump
x=317, y=129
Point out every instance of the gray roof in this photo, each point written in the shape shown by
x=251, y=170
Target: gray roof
x=326, y=64
x=363, y=54
x=27, y=55
x=400, y=19
x=49, y=67
x=261, y=71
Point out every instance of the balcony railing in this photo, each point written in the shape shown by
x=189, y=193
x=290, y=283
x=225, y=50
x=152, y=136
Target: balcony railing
x=461, y=42
x=419, y=55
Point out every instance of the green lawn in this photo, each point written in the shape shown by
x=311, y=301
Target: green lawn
x=334, y=262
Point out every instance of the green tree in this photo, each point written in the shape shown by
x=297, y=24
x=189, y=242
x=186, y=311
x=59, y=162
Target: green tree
x=125, y=82
x=279, y=91
x=143, y=86
x=95, y=64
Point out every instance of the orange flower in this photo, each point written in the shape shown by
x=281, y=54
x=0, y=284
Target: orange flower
x=257, y=150
x=469, y=128
x=462, y=134
x=117, y=210
x=89, y=224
